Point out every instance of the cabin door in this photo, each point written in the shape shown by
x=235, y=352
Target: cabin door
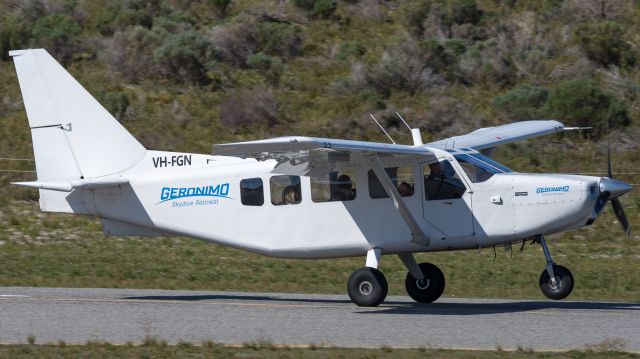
x=447, y=200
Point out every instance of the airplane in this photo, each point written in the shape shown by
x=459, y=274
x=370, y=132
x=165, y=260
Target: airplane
x=306, y=197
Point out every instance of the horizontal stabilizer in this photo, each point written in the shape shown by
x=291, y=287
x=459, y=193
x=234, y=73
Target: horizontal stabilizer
x=69, y=186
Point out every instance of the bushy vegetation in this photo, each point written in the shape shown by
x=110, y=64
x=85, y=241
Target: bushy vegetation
x=171, y=70
x=581, y=102
x=327, y=63
x=605, y=42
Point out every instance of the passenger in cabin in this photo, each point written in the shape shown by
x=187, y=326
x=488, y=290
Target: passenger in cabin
x=405, y=189
x=344, y=189
x=291, y=195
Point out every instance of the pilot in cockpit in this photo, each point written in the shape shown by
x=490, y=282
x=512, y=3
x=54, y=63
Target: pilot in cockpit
x=442, y=182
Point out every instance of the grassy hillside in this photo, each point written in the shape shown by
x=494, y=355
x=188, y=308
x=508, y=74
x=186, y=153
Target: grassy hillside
x=183, y=74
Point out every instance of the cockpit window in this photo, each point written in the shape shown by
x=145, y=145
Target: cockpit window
x=442, y=182
x=479, y=168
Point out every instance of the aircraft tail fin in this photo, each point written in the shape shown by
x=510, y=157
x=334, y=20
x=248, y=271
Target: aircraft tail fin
x=74, y=137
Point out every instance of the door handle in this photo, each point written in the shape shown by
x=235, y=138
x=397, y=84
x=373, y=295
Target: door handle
x=496, y=200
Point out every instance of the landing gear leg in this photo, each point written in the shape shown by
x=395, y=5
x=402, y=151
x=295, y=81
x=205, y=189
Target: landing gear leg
x=556, y=281
x=367, y=286
x=424, y=282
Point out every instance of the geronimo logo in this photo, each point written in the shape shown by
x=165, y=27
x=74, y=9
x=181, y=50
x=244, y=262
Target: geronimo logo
x=552, y=189
x=176, y=194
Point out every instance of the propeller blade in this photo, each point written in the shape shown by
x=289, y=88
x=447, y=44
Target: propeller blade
x=609, y=160
x=622, y=217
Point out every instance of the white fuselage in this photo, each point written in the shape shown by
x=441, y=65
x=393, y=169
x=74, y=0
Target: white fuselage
x=199, y=196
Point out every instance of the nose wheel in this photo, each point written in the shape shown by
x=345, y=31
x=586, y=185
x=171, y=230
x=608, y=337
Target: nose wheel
x=560, y=287
x=556, y=281
x=429, y=288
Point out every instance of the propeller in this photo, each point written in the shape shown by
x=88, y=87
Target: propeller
x=611, y=189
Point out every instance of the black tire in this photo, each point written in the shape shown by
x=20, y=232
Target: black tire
x=367, y=287
x=428, y=291
x=564, y=283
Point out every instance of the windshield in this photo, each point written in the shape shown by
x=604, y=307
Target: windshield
x=491, y=162
x=479, y=168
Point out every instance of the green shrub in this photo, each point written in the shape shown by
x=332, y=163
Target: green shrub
x=414, y=15
x=305, y=4
x=323, y=9
x=575, y=102
x=351, y=49
x=130, y=53
x=523, y=103
x=485, y=63
x=455, y=46
x=605, y=43
x=271, y=67
x=584, y=103
x=438, y=56
x=404, y=67
x=250, y=107
x=115, y=102
x=279, y=39
x=462, y=12
x=449, y=13
x=221, y=6
x=14, y=35
x=185, y=57
x=235, y=42
x=318, y=8
x=57, y=34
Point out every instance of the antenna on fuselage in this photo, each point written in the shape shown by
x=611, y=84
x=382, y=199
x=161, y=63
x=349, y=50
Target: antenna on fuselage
x=403, y=121
x=382, y=128
x=415, y=132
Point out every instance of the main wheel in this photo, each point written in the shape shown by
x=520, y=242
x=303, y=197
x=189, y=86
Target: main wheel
x=367, y=287
x=429, y=289
x=563, y=286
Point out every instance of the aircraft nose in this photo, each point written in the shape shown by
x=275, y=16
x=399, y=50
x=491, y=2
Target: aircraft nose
x=616, y=188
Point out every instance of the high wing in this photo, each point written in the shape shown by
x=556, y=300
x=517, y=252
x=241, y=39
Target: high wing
x=309, y=155
x=489, y=137
x=312, y=156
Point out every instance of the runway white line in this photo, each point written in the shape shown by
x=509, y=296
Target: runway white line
x=13, y=296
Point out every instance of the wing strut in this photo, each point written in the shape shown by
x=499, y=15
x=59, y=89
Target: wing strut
x=417, y=234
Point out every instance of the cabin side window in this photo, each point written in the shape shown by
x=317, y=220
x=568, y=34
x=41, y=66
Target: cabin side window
x=335, y=186
x=442, y=182
x=285, y=190
x=251, y=192
x=402, y=178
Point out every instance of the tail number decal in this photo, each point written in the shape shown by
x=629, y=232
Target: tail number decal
x=172, y=161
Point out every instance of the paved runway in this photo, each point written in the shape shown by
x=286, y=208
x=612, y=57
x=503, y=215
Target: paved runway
x=122, y=315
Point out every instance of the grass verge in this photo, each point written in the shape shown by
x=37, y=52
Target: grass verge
x=40, y=249
x=158, y=349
